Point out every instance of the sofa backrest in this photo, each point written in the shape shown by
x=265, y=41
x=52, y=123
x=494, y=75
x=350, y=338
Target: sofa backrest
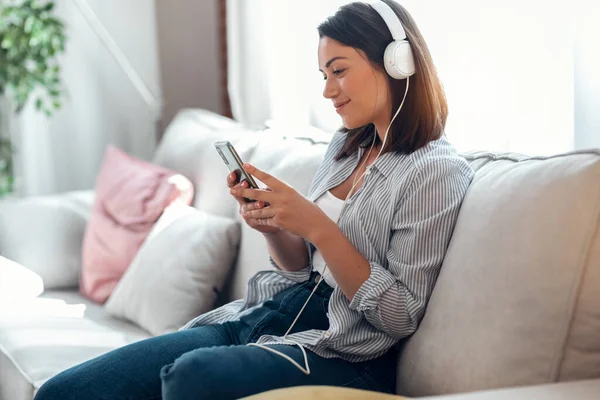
x=517, y=301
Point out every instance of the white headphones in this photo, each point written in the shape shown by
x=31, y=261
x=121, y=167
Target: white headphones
x=398, y=57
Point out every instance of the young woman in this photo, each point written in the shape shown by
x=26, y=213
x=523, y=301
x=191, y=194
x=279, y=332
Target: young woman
x=355, y=262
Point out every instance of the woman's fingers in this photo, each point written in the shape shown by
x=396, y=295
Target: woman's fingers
x=240, y=199
x=246, y=207
x=267, y=179
x=231, y=179
x=255, y=194
x=259, y=214
x=251, y=206
x=258, y=222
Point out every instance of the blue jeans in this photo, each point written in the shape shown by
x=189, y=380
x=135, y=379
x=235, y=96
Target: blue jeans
x=213, y=361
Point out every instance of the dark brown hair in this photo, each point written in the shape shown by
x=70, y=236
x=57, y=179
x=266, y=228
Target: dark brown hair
x=425, y=110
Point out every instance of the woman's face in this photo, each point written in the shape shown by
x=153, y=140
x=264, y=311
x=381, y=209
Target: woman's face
x=359, y=92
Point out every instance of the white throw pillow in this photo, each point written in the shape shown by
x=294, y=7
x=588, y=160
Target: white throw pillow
x=44, y=234
x=178, y=271
x=18, y=283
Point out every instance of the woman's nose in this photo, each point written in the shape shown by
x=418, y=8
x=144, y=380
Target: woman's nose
x=331, y=89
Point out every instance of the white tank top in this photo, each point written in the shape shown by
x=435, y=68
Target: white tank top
x=332, y=206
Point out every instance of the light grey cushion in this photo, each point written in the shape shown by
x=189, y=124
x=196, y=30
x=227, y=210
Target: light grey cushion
x=45, y=233
x=44, y=336
x=178, y=271
x=516, y=302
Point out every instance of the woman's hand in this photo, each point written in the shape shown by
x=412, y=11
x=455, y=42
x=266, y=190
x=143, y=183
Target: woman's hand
x=288, y=209
x=247, y=206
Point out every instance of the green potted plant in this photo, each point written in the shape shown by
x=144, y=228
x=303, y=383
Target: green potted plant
x=31, y=38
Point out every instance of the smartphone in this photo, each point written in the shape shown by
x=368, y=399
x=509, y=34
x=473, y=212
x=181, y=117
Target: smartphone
x=233, y=161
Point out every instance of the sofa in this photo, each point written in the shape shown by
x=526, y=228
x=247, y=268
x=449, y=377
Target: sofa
x=515, y=312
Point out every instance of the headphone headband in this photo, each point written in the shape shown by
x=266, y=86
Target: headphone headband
x=397, y=57
x=390, y=18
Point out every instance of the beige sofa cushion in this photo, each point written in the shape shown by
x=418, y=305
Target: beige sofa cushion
x=517, y=300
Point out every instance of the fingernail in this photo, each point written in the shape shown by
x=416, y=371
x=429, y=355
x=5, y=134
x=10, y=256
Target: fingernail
x=247, y=166
x=233, y=191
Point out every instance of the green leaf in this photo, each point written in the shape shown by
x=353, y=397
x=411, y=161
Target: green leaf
x=6, y=43
x=31, y=38
x=29, y=23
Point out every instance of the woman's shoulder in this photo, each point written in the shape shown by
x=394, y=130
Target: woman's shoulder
x=440, y=156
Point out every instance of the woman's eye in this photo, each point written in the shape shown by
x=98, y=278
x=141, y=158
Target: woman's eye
x=335, y=72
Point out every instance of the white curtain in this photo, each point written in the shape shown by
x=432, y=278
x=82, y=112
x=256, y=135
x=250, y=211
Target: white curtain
x=112, y=96
x=273, y=70
x=507, y=67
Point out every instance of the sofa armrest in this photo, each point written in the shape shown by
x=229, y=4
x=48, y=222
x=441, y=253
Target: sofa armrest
x=580, y=390
x=45, y=234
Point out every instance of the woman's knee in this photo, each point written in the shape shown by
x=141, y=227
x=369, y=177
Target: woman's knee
x=196, y=374
x=62, y=386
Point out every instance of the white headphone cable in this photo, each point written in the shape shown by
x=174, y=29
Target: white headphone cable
x=306, y=370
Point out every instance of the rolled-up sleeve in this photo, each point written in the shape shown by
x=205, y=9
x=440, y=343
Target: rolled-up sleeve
x=394, y=297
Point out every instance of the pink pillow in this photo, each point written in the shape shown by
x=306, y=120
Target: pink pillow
x=131, y=195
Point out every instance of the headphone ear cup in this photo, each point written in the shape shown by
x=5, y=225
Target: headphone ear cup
x=398, y=60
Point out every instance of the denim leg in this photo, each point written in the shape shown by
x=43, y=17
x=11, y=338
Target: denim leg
x=231, y=372
x=130, y=372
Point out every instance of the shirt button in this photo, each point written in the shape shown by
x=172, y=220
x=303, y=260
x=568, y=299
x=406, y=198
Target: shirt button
x=326, y=334
x=317, y=278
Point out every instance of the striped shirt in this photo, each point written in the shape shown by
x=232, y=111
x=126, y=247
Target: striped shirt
x=401, y=220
